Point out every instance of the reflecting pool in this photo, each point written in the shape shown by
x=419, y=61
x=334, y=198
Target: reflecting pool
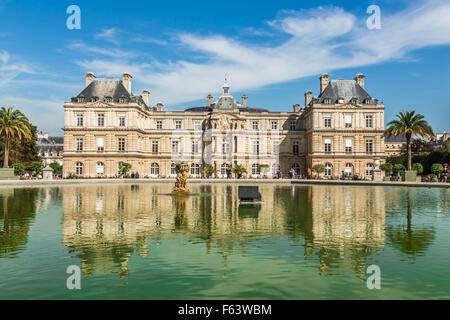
x=301, y=242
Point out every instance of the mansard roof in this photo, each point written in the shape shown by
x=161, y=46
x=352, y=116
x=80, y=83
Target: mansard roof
x=241, y=109
x=104, y=89
x=344, y=89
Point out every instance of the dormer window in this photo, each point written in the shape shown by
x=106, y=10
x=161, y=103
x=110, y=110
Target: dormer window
x=108, y=99
x=367, y=101
x=94, y=99
x=80, y=99
x=327, y=101
x=340, y=100
x=122, y=100
x=354, y=101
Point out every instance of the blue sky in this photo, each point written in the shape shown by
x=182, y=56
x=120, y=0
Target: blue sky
x=273, y=51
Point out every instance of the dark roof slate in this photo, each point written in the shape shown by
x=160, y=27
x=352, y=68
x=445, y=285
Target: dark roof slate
x=343, y=89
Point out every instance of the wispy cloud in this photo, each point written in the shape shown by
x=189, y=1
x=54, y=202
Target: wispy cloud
x=109, y=52
x=11, y=67
x=141, y=39
x=318, y=40
x=110, y=35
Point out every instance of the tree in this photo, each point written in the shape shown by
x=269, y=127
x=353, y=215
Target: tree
x=13, y=126
x=418, y=168
x=318, y=168
x=18, y=168
x=37, y=166
x=210, y=170
x=386, y=167
x=410, y=124
x=437, y=168
x=57, y=168
x=124, y=167
x=398, y=167
x=238, y=170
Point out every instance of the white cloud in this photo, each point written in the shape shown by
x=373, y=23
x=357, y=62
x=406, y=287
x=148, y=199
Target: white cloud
x=319, y=40
x=110, y=35
x=10, y=68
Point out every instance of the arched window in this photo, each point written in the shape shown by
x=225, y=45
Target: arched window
x=369, y=169
x=255, y=169
x=296, y=168
x=79, y=168
x=154, y=169
x=275, y=168
x=100, y=168
x=348, y=169
x=195, y=169
x=173, y=169
x=328, y=169
x=223, y=169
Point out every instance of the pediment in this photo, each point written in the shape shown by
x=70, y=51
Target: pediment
x=98, y=104
x=348, y=105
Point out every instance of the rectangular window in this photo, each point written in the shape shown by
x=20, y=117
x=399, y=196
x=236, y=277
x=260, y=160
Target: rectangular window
x=194, y=146
x=79, y=144
x=274, y=125
x=121, y=120
x=369, y=121
x=256, y=147
x=295, y=147
x=178, y=124
x=348, y=145
x=348, y=121
x=155, y=146
x=327, y=145
x=174, y=146
x=197, y=125
x=292, y=125
x=121, y=144
x=159, y=124
x=276, y=147
x=100, y=146
x=79, y=120
x=101, y=120
x=255, y=125
x=369, y=145
x=327, y=122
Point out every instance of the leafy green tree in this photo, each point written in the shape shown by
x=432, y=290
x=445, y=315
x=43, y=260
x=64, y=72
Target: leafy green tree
x=437, y=168
x=210, y=170
x=238, y=170
x=37, y=166
x=398, y=167
x=386, y=167
x=18, y=168
x=410, y=124
x=57, y=168
x=318, y=168
x=418, y=168
x=13, y=126
x=124, y=167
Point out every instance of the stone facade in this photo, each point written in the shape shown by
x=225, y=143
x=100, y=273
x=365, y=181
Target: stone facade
x=106, y=125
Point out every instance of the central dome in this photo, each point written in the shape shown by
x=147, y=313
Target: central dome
x=226, y=101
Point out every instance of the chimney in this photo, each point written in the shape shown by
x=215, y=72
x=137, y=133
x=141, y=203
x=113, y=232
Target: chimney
x=90, y=76
x=360, y=80
x=323, y=82
x=308, y=98
x=126, y=81
x=159, y=106
x=145, y=96
x=244, y=101
x=209, y=99
x=296, y=107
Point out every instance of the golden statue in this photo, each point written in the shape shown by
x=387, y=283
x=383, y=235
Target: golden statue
x=180, y=184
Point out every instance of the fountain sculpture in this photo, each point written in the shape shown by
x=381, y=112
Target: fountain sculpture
x=180, y=185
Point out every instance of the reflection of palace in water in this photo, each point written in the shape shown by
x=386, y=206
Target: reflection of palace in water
x=105, y=225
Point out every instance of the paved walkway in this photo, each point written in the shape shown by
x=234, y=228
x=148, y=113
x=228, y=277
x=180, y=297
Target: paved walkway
x=38, y=183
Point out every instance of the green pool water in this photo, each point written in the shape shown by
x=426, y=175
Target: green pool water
x=301, y=242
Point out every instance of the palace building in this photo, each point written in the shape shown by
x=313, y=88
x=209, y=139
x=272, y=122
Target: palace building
x=106, y=124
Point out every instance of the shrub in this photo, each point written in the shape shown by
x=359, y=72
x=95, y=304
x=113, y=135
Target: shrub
x=418, y=168
x=18, y=168
x=124, y=167
x=36, y=166
x=318, y=168
x=57, y=168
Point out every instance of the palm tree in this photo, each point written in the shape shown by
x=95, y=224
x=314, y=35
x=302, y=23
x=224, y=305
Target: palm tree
x=13, y=125
x=409, y=124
